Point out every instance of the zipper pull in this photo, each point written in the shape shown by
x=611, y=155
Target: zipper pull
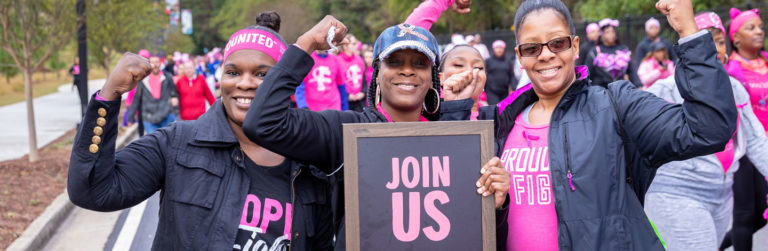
x=570, y=180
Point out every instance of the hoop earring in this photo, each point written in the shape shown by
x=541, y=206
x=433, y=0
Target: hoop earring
x=378, y=95
x=437, y=98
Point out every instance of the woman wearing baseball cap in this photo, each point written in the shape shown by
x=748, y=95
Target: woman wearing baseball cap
x=405, y=87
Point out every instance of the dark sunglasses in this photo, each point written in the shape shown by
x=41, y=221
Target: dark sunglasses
x=555, y=45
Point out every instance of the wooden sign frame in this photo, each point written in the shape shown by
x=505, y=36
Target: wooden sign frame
x=352, y=132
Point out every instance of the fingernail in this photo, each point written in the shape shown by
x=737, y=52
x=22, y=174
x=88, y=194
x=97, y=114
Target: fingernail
x=477, y=184
x=479, y=191
x=482, y=170
x=486, y=194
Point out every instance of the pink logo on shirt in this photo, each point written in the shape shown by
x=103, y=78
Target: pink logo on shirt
x=532, y=217
x=264, y=212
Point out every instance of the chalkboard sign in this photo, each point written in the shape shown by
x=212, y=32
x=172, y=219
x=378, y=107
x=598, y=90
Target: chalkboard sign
x=411, y=186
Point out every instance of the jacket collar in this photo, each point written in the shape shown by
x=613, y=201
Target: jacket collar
x=214, y=129
x=513, y=105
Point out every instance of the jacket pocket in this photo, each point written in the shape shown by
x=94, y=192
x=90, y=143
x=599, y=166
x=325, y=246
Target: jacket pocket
x=313, y=194
x=196, y=181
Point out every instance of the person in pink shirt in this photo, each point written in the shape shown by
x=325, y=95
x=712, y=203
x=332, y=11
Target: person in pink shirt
x=368, y=59
x=351, y=68
x=193, y=92
x=656, y=65
x=323, y=86
x=747, y=63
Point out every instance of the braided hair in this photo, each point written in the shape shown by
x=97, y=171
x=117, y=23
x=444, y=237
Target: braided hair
x=431, y=100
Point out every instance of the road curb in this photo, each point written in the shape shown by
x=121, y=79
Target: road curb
x=36, y=236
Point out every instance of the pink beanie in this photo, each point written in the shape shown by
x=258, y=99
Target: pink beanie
x=592, y=27
x=651, y=22
x=256, y=38
x=499, y=43
x=738, y=18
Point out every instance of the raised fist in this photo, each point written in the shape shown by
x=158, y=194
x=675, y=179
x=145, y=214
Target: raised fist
x=129, y=71
x=680, y=16
x=315, y=38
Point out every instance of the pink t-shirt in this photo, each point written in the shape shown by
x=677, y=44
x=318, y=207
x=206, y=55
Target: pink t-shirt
x=368, y=75
x=351, y=72
x=321, y=85
x=753, y=75
x=155, y=84
x=532, y=216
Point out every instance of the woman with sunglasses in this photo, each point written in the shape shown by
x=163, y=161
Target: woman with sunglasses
x=580, y=155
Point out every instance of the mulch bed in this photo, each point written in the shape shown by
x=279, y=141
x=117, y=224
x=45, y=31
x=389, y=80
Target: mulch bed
x=26, y=189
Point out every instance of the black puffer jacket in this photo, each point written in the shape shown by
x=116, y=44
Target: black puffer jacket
x=602, y=212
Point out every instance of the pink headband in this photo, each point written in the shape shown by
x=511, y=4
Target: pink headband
x=709, y=20
x=499, y=43
x=608, y=21
x=255, y=39
x=592, y=27
x=651, y=22
x=738, y=18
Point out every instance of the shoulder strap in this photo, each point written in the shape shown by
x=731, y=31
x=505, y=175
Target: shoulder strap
x=623, y=134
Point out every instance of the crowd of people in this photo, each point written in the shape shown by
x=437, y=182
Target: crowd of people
x=663, y=147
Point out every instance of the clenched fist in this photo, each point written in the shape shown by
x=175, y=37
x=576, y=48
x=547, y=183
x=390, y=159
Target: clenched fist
x=129, y=71
x=314, y=39
x=680, y=16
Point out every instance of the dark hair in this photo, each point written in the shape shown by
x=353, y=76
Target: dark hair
x=535, y=5
x=269, y=19
x=432, y=100
x=445, y=54
x=602, y=30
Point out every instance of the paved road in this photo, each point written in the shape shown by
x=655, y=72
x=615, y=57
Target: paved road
x=55, y=114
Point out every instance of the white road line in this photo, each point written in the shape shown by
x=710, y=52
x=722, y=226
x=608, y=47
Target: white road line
x=131, y=225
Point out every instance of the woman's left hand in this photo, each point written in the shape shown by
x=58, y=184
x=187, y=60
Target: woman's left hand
x=680, y=16
x=494, y=181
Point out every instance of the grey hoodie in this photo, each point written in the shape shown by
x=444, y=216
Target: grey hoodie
x=702, y=178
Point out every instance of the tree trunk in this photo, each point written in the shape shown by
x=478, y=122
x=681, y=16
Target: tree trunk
x=34, y=155
x=106, y=65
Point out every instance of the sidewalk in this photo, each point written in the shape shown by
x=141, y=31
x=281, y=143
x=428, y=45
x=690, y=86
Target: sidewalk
x=55, y=114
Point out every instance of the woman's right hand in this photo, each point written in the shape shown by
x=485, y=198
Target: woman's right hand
x=129, y=71
x=461, y=6
x=461, y=85
x=314, y=39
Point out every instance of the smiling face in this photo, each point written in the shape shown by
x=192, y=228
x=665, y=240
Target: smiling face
x=750, y=35
x=405, y=77
x=243, y=72
x=550, y=73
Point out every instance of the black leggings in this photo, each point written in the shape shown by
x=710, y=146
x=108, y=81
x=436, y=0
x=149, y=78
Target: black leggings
x=749, y=191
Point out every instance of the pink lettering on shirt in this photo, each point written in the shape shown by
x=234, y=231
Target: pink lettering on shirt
x=532, y=217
